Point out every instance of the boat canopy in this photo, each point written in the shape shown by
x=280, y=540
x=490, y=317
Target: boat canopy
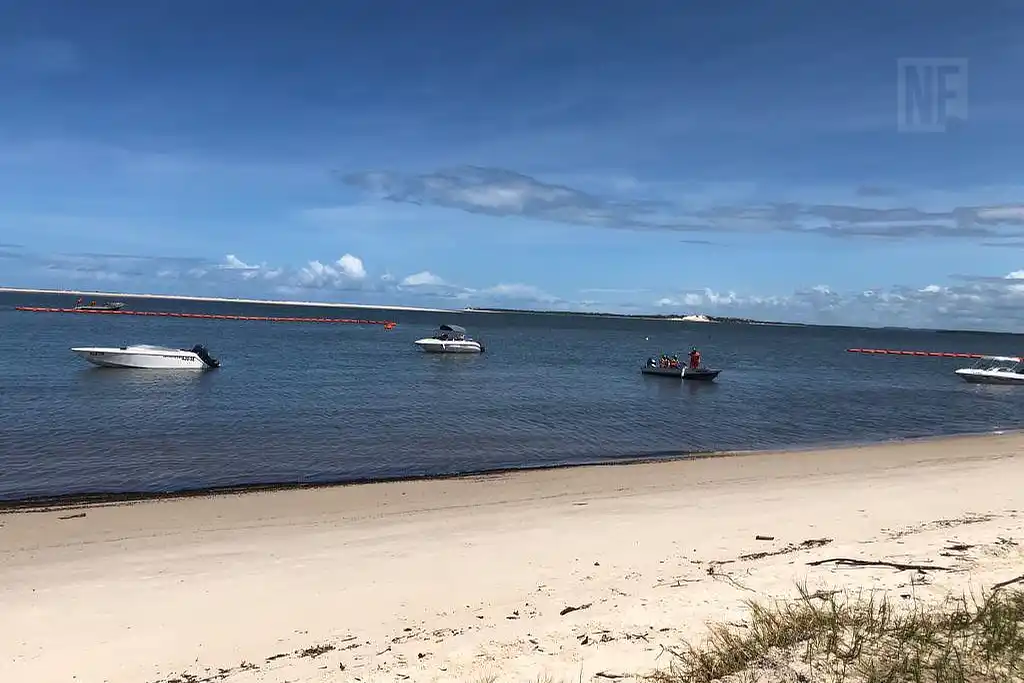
x=1002, y=359
x=453, y=328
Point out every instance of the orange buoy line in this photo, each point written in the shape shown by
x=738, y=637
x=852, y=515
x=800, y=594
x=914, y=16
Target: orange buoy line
x=388, y=324
x=931, y=354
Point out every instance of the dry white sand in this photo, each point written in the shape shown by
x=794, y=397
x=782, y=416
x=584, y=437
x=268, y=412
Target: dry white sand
x=460, y=580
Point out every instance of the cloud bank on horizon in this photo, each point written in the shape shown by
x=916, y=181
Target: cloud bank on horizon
x=761, y=161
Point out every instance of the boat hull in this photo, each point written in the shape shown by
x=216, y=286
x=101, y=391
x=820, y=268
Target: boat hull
x=439, y=346
x=972, y=376
x=101, y=307
x=172, y=359
x=700, y=374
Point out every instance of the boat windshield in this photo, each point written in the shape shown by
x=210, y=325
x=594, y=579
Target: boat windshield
x=1000, y=364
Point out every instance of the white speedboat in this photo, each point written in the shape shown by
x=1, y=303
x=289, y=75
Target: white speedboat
x=450, y=339
x=146, y=356
x=994, y=370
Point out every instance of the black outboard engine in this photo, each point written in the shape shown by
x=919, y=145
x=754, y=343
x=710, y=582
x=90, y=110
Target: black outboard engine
x=481, y=345
x=205, y=356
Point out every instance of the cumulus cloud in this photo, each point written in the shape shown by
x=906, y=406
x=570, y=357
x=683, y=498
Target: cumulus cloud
x=346, y=272
x=245, y=270
x=422, y=279
x=501, y=192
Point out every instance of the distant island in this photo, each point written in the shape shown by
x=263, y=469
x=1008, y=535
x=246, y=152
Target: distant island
x=213, y=299
x=667, y=317
x=688, y=318
x=695, y=318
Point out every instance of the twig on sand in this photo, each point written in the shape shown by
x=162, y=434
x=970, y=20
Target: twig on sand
x=715, y=574
x=571, y=608
x=899, y=566
x=1008, y=582
x=674, y=653
x=675, y=583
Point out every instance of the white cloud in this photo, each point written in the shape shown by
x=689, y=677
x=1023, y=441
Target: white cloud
x=519, y=292
x=248, y=271
x=232, y=262
x=422, y=279
x=343, y=273
x=427, y=283
x=352, y=267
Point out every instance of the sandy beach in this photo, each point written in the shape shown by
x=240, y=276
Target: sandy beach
x=572, y=574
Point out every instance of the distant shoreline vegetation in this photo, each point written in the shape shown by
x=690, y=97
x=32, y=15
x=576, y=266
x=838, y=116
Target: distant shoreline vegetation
x=673, y=317
x=690, y=317
x=696, y=318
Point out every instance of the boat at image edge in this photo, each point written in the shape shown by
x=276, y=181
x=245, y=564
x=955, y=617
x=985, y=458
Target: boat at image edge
x=994, y=370
x=149, y=357
x=450, y=339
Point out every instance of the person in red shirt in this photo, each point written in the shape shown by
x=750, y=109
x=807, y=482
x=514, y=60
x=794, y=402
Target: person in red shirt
x=694, y=358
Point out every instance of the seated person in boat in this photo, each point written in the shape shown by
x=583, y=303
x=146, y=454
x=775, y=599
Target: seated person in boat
x=674, y=361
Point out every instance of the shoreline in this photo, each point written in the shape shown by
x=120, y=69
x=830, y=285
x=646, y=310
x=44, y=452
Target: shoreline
x=227, y=300
x=566, y=574
x=47, y=503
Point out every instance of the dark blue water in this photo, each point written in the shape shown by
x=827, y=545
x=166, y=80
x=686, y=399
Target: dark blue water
x=306, y=403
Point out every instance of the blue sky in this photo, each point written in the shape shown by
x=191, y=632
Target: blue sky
x=662, y=156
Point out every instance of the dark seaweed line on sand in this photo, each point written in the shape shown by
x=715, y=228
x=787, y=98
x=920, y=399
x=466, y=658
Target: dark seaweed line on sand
x=63, y=501
x=44, y=503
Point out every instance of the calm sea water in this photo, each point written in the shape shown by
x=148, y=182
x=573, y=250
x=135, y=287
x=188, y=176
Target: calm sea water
x=299, y=402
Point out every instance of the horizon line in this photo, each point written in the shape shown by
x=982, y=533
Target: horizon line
x=324, y=304
x=674, y=317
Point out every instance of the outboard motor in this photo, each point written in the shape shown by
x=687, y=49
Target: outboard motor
x=205, y=356
x=482, y=349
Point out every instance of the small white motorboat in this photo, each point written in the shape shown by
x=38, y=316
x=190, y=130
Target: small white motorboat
x=450, y=339
x=994, y=370
x=148, y=357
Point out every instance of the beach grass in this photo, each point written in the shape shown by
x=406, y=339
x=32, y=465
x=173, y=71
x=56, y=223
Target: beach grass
x=865, y=637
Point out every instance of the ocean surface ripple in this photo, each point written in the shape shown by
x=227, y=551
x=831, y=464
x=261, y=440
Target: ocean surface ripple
x=307, y=403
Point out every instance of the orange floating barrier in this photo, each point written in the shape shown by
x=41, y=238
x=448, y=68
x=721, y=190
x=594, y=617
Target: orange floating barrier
x=931, y=354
